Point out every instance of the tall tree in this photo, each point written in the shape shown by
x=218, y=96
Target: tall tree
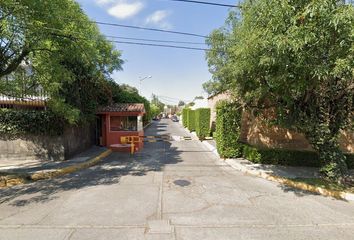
x=69, y=57
x=297, y=58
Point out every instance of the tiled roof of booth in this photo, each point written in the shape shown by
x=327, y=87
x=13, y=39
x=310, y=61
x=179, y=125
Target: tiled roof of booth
x=123, y=107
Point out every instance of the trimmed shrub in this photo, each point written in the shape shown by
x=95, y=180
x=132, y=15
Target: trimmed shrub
x=36, y=122
x=185, y=117
x=228, y=128
x=191, y=120
x=202, y=122
x=287, y=157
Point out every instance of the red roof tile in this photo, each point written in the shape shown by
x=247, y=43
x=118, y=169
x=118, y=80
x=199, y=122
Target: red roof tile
x=123, y=107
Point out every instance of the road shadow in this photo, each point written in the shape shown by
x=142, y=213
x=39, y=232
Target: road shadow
x=152, y=158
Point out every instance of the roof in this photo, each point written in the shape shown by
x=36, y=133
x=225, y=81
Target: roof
x=123, y=107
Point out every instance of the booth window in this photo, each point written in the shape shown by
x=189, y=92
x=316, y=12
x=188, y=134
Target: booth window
x=119, y=123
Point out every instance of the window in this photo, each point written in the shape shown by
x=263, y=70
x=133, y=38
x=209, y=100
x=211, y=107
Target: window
x=118, y=123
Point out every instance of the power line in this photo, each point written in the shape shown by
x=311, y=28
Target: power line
x=128, y=38
x=71, y=36
x=149, y=29
x=160, y=45
x=154, y=40
x=207, y=3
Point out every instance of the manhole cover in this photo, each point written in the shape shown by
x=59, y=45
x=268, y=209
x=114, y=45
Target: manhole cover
x=182, y=183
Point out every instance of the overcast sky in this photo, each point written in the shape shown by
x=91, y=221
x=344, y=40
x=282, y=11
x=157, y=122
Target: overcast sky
x=176, y=73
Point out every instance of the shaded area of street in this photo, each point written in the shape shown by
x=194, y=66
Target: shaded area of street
x=170, y=190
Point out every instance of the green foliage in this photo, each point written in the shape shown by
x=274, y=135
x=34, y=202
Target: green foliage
x=191, y=120
x=155, y=111
x=202, y=122
x=296, y=57
x=228, y=127
x=185, y=117
x=126, y=94
x=65, y=53
x=156, y=101
x=18, y=122
x=287, y=157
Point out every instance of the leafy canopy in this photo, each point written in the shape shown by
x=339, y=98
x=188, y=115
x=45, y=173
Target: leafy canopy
x=66, y=54
x=296, y=58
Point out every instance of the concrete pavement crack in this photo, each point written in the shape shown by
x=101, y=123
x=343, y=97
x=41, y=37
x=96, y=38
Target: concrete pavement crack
x=71, y=233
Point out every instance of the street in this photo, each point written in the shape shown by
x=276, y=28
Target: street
x=170, y=190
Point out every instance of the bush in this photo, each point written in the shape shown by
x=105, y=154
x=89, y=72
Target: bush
x=202, y=122
x=36, y=122
x=287, y=157
x=228, y=128
x=191, y=120
x=185, y=117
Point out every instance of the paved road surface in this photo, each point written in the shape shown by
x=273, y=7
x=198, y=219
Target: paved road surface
x=176, y=190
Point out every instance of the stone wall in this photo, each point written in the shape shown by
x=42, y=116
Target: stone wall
x=47, y=148
x=257, y=133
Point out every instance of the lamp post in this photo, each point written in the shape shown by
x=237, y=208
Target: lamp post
x=141, y=79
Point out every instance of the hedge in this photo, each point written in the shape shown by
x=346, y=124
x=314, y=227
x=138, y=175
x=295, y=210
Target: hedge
x=17, y=121
x=191, y=120
x=184, y=117
x=228, y=127
x=202, y=122
x=287, y=157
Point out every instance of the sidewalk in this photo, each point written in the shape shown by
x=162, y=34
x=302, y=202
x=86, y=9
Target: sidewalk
x=13, y=174
x=282, y=174
x=244, y=165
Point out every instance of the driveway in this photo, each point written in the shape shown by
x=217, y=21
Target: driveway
x=171, y=190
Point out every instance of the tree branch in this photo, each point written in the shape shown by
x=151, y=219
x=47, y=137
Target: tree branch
x=15, y=63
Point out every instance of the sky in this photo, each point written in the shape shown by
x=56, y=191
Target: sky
x=176, y=74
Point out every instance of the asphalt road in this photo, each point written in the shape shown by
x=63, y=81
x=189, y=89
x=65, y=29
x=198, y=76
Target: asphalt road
x=171, y=190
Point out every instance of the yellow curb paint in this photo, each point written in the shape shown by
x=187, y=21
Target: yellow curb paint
x=307, y=187
x=63, y=171
x=302, y=186
x=70, y=169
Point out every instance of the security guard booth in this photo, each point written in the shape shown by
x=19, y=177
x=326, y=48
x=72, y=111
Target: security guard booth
x=119, y=120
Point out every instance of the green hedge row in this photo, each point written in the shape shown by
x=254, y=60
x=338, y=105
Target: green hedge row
x=191, y=120
x=202, y=122
x=227, y=134
x=228, y=127
x=287, y=157
x=15, y=121
x=185, y=117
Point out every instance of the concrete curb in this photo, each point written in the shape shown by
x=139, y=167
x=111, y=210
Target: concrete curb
x=291, y=183
x=147, y=125
x=211, y=148
x=286, y=181
x=12, y=180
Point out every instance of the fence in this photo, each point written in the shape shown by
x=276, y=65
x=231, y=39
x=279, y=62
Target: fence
x=37, y=100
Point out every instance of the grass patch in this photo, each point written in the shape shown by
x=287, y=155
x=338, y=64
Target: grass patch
x=322, y=183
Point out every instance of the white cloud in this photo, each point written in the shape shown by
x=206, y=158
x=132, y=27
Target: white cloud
x=104, y=2
x=121, y=9
x=159, y=18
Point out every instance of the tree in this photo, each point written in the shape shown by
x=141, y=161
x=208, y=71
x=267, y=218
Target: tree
x=156, y=101
x=296, y=58
x=181, y=103
x=69, y=57
x=154, y=110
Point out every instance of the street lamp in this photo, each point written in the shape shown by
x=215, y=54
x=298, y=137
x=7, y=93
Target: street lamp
x=141, y=79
